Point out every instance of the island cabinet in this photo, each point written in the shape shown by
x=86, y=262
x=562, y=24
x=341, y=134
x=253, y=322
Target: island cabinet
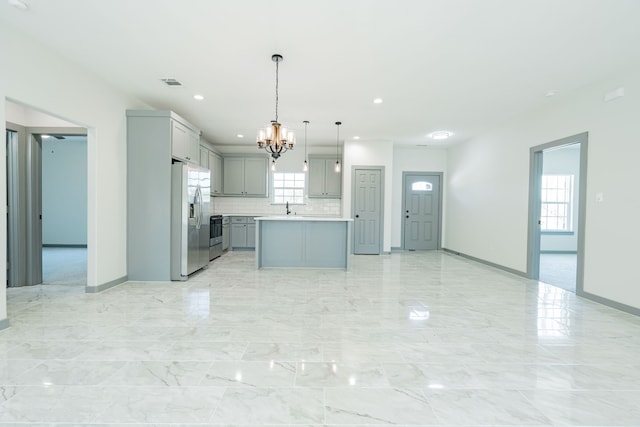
x=323, y=180
x=303, y=242
x=243, y=233
x=245, y=176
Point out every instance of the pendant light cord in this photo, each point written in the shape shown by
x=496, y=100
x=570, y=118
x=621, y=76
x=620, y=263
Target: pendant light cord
x=277, y=63
x=306, y=123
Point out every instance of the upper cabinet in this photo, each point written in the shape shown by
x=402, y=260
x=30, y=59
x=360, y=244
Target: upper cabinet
x=213, y=162
x=185, y=143
x=324, y=182
x=245, y=176
x=215, y=165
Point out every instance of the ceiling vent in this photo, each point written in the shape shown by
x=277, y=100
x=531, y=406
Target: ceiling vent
x=171, y=82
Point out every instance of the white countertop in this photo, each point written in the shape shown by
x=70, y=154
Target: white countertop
x=301, y=218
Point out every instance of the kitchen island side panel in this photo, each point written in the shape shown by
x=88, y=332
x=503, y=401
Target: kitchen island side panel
x=302, y=244
x=282, y=244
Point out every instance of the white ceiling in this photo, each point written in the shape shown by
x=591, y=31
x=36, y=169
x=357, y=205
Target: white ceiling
x=460, y=65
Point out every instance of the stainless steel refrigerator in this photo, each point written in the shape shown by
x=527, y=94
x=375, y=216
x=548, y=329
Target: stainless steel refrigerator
x=190, y=188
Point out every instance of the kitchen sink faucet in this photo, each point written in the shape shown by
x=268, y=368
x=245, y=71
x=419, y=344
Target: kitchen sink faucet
x=288, y=211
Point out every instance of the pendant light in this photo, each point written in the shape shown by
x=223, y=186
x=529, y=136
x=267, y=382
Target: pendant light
x=275, y=139
x=337, y=166
x=305, y=166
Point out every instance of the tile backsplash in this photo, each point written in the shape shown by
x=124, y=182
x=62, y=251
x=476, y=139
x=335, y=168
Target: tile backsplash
x=262, y=206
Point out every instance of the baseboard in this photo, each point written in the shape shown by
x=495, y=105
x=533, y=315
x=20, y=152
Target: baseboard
x=609, y=303
x=4, y=324
x=105, y=286
x=559, y=252
x=490, y=264
x=396, y=249
x=50, y=245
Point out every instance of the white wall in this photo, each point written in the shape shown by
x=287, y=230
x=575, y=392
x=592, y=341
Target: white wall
x=412, y=159
x=563, y=161
x=487, y=194
x=28, y=117
x=64, y=191
x=67, y=91
x=369, y=153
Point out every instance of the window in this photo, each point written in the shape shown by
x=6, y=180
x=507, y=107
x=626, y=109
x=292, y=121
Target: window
x=421, y=186
x=557, y=202
x=288, y=187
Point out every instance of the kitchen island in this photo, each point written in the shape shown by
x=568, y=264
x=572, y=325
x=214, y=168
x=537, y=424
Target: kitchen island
x=303, y=242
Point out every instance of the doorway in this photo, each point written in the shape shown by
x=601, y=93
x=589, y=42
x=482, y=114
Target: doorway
x=47, y=206
x=422, y=210
x=368, y=209
x=556, y=212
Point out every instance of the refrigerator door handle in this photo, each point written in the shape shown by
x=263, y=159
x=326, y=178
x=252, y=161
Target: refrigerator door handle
x=198, y=203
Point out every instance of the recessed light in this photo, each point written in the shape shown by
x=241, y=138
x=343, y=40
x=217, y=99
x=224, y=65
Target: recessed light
x=440, y=134
x=198, y=97
x=19, y=4
x=551, y=93
x=240, y=135
x=377, y=101
x=44, y=136
x=356, y=137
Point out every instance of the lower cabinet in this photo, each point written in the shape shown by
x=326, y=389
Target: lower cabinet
x=226, y=241
x=243, y=232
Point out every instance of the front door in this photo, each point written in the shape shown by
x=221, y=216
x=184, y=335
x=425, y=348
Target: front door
x=421, y=213
x=367, y=213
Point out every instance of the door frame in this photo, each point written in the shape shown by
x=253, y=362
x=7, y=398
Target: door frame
x=355, y=168
x=15, y=261
x=440, y=175
x=535, y=205
x=29, y=231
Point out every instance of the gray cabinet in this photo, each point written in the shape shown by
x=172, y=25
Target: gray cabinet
x=185, y=142
x=323, y=180
x=204, y=157
x=245, y=176
x=153, y=138
x=215, y=165
x=226, y=233
x=213, y=162
x=243, y=232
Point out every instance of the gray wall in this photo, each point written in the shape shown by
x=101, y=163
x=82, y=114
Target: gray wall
x=64, y=191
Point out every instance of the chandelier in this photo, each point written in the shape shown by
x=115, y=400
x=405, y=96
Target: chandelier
x=275, y=139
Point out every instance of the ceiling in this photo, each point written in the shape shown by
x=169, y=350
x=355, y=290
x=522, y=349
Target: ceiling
x=459, y=65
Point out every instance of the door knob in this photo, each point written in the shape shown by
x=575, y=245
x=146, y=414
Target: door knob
x=357, y=216
x=407, y=216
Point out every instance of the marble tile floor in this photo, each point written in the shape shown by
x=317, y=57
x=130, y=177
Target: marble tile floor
x=409, y=339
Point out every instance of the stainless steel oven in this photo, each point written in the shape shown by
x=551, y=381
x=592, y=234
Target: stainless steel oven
x=215, y=236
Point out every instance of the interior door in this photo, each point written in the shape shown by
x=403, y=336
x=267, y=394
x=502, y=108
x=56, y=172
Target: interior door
x=367, y=211
x=421, y=211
